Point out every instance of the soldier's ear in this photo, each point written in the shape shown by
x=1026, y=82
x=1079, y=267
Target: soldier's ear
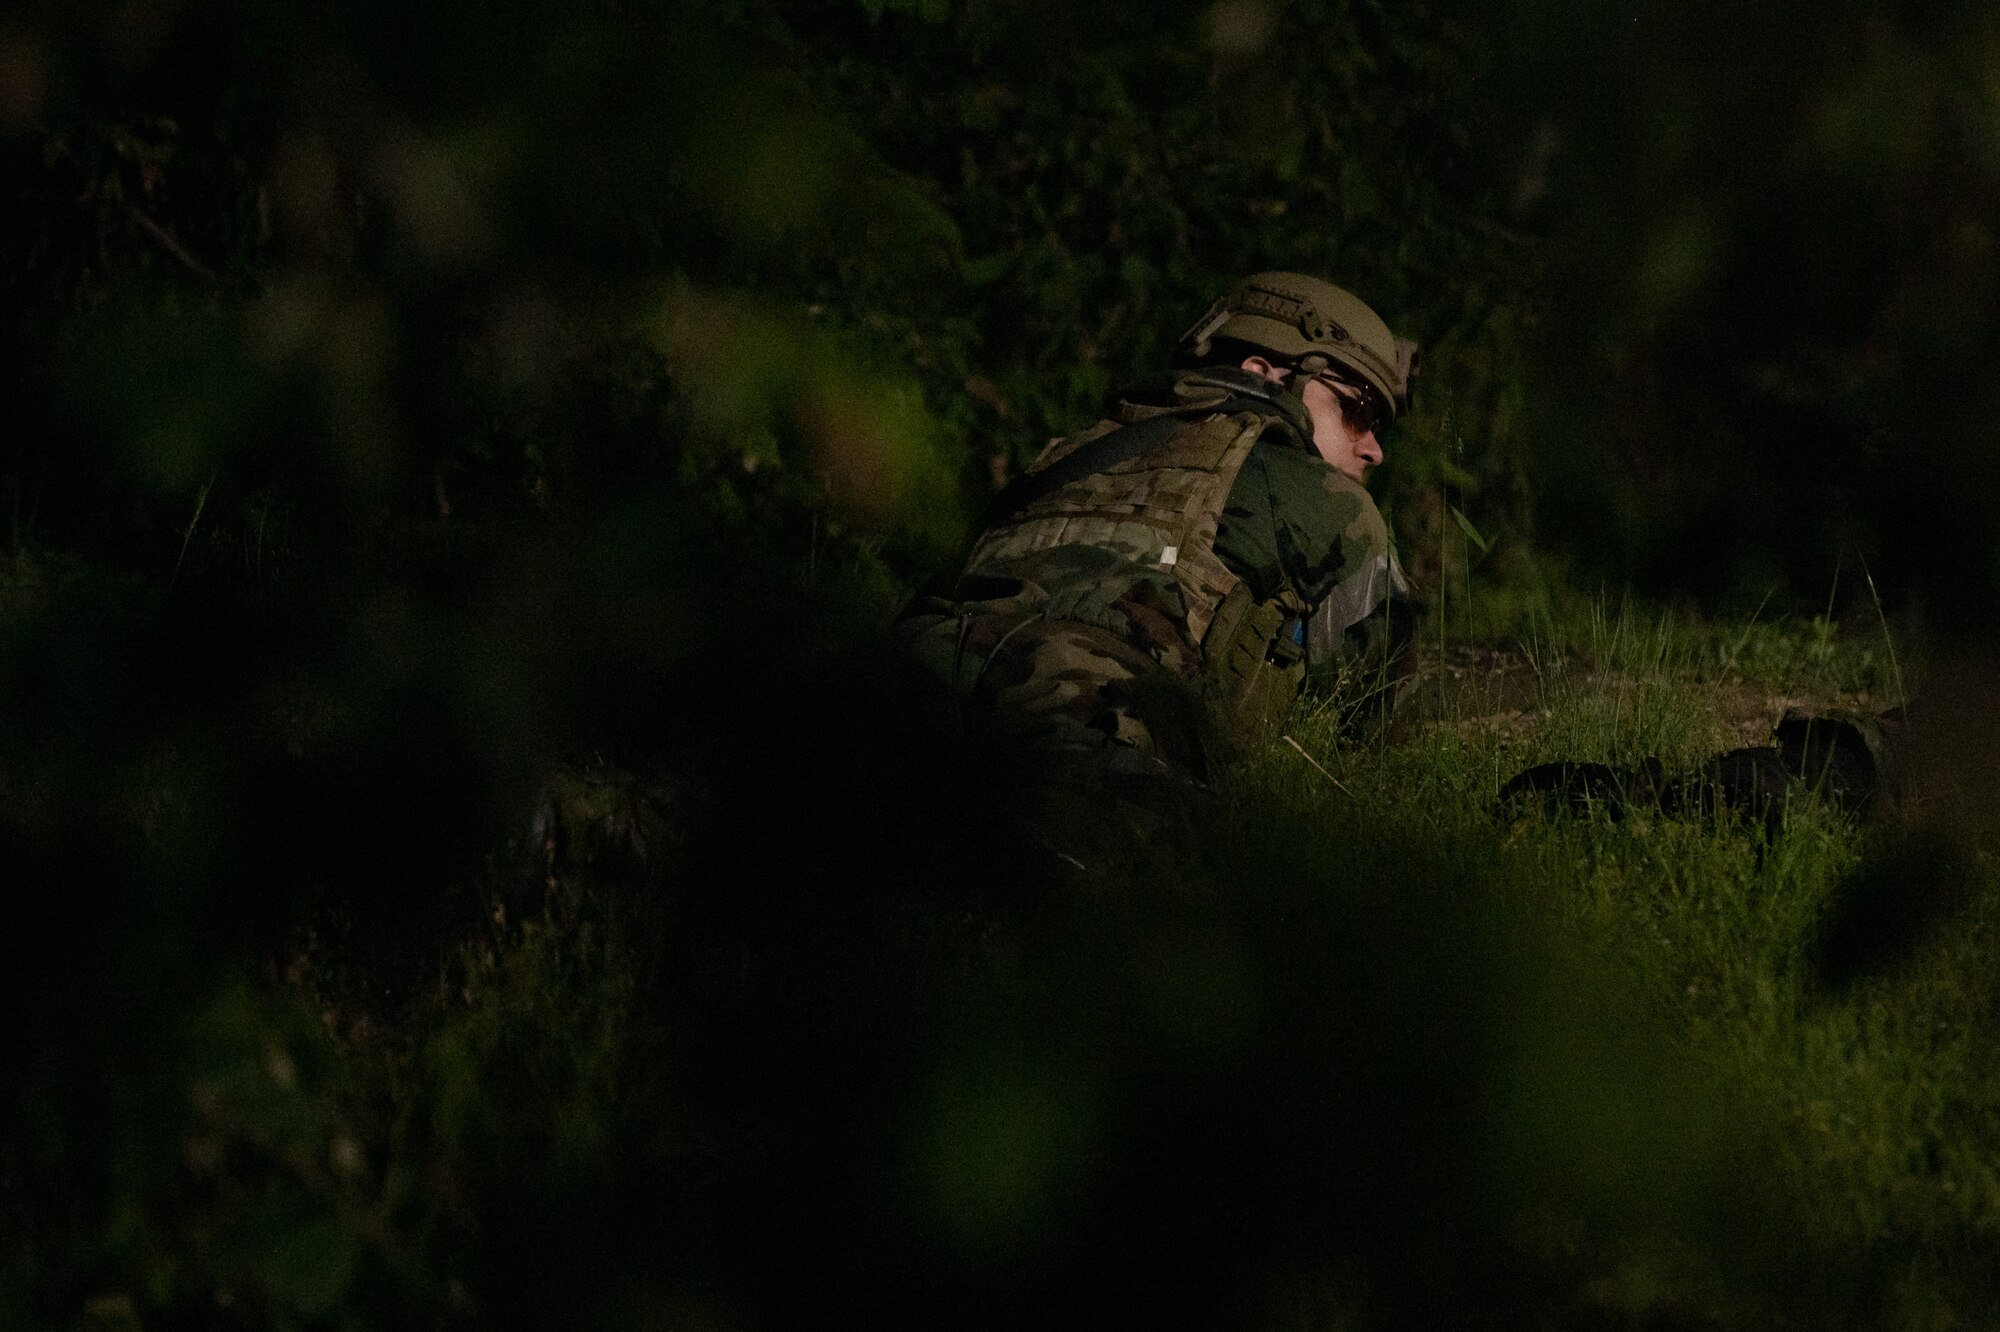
x=1263, y=369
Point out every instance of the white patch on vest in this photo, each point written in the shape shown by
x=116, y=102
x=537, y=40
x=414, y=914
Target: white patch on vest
x=1170, y=555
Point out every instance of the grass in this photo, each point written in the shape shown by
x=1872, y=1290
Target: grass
x=1362, y=1054
x=1869, y=1113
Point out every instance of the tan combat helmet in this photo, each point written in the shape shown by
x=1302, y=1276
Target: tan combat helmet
x=1309, y=324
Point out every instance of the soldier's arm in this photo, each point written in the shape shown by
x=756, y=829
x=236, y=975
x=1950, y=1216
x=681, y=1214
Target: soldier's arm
x=1362, y=627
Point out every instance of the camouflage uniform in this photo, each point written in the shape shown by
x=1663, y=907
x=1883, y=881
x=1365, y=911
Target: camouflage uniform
x=1116, y=631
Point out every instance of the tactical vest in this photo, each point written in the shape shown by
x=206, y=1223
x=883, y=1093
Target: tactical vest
x=1157, y=501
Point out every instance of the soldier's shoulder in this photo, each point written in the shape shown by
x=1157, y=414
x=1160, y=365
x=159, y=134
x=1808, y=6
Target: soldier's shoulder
x=1063, y=445
x=1298, y=478
x=1288, y=461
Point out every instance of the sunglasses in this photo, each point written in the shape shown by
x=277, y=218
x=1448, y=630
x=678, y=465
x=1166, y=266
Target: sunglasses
x=1361, y=407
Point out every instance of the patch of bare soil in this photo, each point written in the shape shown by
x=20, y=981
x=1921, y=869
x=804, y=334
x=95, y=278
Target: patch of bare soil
x=1495, y=690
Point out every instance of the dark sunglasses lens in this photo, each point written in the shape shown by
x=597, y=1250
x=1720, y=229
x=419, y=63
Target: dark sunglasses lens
x=1360, y=407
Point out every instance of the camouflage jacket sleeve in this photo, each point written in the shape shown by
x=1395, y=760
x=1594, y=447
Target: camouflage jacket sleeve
x=1293, y=520
x=1368, y=624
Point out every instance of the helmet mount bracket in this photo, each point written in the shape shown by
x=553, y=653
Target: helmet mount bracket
x=1304, y=370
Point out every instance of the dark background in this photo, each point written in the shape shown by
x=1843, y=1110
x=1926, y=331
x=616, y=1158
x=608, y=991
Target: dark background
x=1705, y=295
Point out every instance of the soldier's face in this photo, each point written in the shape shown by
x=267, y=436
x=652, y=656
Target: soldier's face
x=1340, y=419
x=1340, y=426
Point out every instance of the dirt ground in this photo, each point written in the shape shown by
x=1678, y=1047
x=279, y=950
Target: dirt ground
x=1501, y=690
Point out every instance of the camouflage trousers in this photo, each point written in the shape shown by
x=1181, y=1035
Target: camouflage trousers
x=1099, y=741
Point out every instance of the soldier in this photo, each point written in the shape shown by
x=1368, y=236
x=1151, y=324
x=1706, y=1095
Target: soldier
x=1156, y=586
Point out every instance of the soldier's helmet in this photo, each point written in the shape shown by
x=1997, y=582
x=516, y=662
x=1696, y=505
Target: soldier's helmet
x=1310, y=325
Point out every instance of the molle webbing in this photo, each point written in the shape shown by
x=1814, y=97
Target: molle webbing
x=1156, y=502
x=1095, y=455
x=1100, y=454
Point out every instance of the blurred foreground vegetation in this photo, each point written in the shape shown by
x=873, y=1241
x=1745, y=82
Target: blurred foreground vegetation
x=474, y=861
x=1365, y=1055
